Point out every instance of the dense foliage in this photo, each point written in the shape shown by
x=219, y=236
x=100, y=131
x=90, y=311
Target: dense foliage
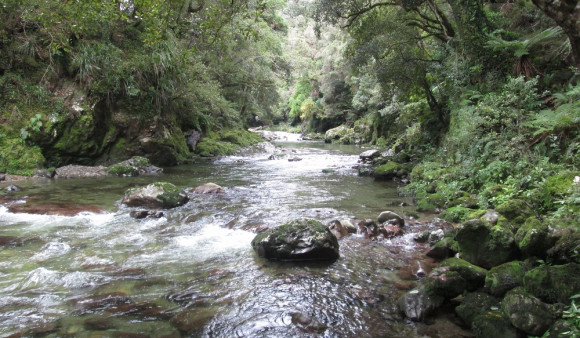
x=118, y=66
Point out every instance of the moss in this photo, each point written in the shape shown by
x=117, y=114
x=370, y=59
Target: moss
x=504, y=277
x=456, y=214
x=226, y=142
x=553, y=284
x=555, y=188
x=425, y=206
x=389, y=170
x=515, y=210
x=532, y=238
x=18, y=158
x=475, y=304
x=476, y=214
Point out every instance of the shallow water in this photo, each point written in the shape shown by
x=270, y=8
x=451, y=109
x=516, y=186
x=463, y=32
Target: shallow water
x=192, y=272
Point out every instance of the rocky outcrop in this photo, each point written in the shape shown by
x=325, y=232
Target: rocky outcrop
x=298, y=240
x=155, y=195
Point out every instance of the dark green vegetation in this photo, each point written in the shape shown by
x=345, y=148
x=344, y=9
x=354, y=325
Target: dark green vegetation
x=100, y=81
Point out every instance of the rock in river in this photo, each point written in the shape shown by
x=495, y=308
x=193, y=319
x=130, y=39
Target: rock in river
x=298, y=240
x=155, y=195
x=208, y=188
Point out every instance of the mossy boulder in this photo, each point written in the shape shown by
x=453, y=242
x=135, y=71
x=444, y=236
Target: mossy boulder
x=566, y=247
x=226, y=142
x=502, y=278
x=476, y=304
x=515, y=210
x=493, y=324
x=533, y=238
x=155, y=195
x=419, y=303
x=134, y=166
x=526, y=312
x=390, y=170
x=446, y=247
x=555, y=283
x=473, y=275
x=298, y=240
x=484, y=245
x=343, y=134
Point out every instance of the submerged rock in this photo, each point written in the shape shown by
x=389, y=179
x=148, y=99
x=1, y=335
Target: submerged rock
x=155, y=195
x=298, y=240
x=208, y=188
x=79, y=171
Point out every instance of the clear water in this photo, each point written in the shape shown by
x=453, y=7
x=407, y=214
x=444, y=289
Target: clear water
x=193, y=272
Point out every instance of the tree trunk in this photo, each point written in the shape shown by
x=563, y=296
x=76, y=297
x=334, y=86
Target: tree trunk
x=566, y=14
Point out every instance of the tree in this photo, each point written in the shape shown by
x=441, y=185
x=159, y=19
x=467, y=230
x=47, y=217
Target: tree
x=566, y=14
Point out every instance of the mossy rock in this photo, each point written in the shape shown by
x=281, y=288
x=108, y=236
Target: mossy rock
x=473, y=275
x=476, y=304
x=515, y=210
x=502, y=278
x=419, y=303
x=18, y=158
x=133, y=167
x=390, y=170
x=533, y=238
x=484, y=245
x=555, y=283
x=226, y=142
x=493, y=324
x=155, y=195
x=456, y=214
x=446, y=247
x=527, y=313
x=567, y=247
x=298, y=240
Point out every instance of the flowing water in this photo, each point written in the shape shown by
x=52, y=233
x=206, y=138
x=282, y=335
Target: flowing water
x=192, y=272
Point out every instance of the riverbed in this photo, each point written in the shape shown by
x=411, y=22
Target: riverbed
x=193, y=273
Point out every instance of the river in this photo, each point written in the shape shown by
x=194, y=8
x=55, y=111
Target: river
x=101, y=273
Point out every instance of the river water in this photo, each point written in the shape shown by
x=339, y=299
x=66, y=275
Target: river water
x=101, y=273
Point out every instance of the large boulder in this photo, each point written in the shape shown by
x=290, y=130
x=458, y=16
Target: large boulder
x=390, y=170
x=454, y=276
x=419, y=303
x=553, y=284
x=502, y=278
x=533, y=238
x=484, y=245
x=155, y=195
x=134, y=166
x=369, y=155
x=391, y=218
x=527, y=313
x=298, y=240
x=476, y=304
x=516, y=211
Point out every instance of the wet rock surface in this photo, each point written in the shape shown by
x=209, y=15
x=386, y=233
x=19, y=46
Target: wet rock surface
x=155, y=195
x=298, y=240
